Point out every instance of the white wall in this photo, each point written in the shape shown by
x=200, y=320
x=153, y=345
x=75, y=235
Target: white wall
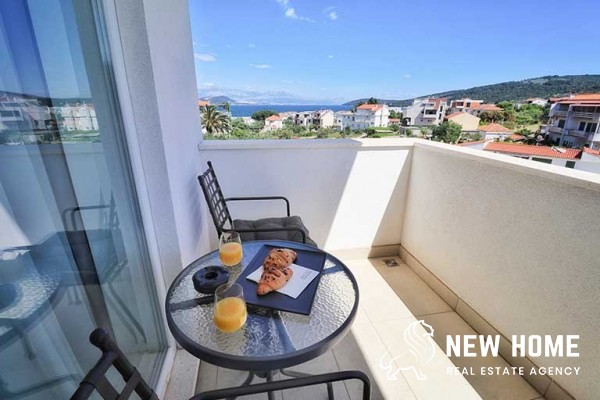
x=509, y=246
x=350, y=193
x=158, y=91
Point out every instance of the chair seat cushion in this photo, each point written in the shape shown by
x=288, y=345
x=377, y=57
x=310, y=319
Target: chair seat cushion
x=265, y=223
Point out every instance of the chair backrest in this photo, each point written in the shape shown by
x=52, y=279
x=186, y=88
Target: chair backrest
x=96, y=381
x=214, y=198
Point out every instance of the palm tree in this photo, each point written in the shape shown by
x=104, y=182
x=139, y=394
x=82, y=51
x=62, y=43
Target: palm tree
x=214, y=121
x=226, y=106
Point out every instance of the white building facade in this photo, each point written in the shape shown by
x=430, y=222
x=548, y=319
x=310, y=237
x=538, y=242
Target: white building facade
x=575, y=121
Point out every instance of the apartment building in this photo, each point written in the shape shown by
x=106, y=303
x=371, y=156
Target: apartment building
x=273, y=123
x=574, y=121
x=80, y=117
x=323, y=118
x=426, y=112
x=344, y=119
x=370, y=115
x=463, y=105
x=22, y=114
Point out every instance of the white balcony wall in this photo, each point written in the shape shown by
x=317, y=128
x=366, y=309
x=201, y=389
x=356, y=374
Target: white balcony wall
x=517, y=240
x=349, y=193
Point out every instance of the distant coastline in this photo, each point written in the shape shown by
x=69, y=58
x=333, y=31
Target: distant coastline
x=246, y=110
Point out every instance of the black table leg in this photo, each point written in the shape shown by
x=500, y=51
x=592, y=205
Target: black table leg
x=246, y=382
x=296, y=374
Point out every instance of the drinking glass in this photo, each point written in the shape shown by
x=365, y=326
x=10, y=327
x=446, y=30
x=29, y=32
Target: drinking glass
x=230, y=308
x=230, y=248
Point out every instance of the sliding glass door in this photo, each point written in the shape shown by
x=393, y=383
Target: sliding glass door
x=72, y=249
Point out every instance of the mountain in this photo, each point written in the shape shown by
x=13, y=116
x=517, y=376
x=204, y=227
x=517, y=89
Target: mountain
x=244, y=96
x=544, y=87
x=219, y=99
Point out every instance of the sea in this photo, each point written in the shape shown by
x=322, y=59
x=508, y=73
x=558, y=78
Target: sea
x=246, y=110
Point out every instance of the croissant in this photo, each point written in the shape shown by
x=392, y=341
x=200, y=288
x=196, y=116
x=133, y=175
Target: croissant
x=272, y=279
x=280, y=258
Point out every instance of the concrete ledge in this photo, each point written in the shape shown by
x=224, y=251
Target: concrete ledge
x=383, y=143
x=543, y=384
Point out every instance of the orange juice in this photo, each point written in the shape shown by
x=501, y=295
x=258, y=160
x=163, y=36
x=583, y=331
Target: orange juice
x=230, y=253
x=230, y=314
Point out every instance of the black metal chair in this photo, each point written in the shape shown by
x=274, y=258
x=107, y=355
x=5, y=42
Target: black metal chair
x=96, y=381
x=285, y=228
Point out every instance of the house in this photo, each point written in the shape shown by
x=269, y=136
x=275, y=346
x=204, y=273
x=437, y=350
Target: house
x=273, y=123
x=394, y=121
x=549, y=155
x=467, y=122
x=370, y=115
x=463, y=105
x=494, y=131
x=322, y=118
x=477, y=110
x=344, y=119
x=575, y=121
x=537, y=101
x=425, y=112
x=203, y=103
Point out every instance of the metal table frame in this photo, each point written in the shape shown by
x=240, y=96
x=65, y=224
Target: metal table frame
x=265, y=366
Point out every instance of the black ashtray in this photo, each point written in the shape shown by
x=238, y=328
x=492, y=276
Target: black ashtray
x=208, y=279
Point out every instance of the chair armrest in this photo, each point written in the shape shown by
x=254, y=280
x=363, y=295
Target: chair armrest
x=287, y=202
x=288, y=384
x=269, y=230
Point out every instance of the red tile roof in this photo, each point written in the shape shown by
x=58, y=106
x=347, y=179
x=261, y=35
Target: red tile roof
x=370, y=107
x=394, y=119
x=586, y=98
x=486, y=107
x=543, y=151
x=494, y=128
x=516, y=136
x=592, y=152
x=472, y=143
x=274, y=118
x=456, y=114
x=203, y=103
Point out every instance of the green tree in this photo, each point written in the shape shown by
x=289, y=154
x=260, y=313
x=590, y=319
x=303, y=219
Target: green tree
x=214, y=121
x=492, y=116
x=448, y=132
x=370, y=131
x=372, y=100
x=261, y=115
x=395, y=127
x=395, y=114
x=506, y=105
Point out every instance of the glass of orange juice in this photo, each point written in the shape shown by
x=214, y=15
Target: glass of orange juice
x=230, y=248
x=230, y=308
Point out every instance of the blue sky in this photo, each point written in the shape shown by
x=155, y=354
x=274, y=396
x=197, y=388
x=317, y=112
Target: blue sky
x=334, y=51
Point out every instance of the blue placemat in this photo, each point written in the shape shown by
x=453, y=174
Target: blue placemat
x=312, y=259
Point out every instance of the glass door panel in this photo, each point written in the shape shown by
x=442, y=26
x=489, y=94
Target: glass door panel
x=72, y=251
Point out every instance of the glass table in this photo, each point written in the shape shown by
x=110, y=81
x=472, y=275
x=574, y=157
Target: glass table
x=270, y=340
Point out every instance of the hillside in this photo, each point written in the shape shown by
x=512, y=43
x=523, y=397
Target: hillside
x=219, y=99
x=544, y=87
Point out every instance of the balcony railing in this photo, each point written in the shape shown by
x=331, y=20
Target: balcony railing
x=577, y=133
x=586, y=115
x=559, y=113
x=555, y=129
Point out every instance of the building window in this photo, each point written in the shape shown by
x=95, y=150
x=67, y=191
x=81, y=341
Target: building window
x=561, y=123
x=543, y=160
x=570, y=164
x=582, y=126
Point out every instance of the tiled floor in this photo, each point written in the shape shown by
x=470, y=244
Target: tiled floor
x=392, y=299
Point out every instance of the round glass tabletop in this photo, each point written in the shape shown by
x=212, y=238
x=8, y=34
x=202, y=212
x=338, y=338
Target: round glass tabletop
x=270, y=339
